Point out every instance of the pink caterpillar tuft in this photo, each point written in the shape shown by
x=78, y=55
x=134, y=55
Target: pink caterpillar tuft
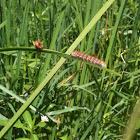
x=88, y=58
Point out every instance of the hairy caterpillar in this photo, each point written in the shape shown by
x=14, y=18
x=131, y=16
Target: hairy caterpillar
x=88, y=58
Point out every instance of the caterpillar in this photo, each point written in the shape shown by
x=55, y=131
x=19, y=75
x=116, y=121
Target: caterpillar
x=88, y=58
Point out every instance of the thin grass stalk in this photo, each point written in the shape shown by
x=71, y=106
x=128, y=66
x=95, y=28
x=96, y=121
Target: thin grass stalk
x=80, y=26
x=83, y=43
x=53, y=52
x=52, y=45
x=78, y=15
x=113, y=36
x=42, y=28
x=22, y=35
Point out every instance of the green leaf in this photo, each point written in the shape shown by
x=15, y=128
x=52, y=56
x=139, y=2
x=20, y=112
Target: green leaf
x=27, y=118
x=34, y=137
x=64, y=137
x=67, y=109
x=17, y=124
x=3, y=24
x=22, y=139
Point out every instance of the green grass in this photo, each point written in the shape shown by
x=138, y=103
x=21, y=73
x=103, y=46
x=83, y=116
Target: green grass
x=94, y=103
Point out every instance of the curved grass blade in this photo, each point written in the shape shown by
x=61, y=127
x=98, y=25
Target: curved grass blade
x=57, y=53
